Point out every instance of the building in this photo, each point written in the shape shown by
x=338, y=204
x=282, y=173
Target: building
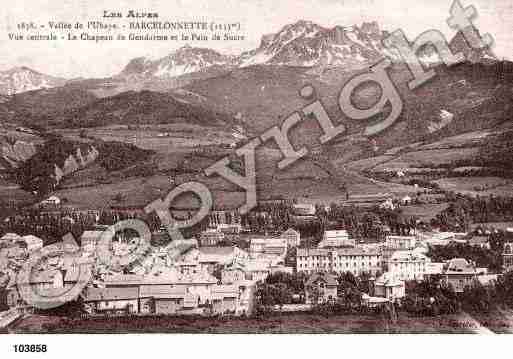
x=233, y=273
x=303, y=209
x=211, y=237
x=111, y=300
x=52, y=200
x=224, y=299
x=33, y=243
x=389, y=287
x=338, y=238
x=393, y=244
x=252, y=270
x=169, y=294
x=275, y=247
x=507, y=257
x=459, y=273
x=89, y=240
x=201, y=259
x=442, y=238
x=339, y=260
x=211, y=257
x=292, y=236
x=233, y=228
x=479, y=241
x=400, y=242
x=408, y=265
x=320, y=287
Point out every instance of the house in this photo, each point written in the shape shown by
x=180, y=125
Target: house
x=459, y=273
x=89, y=240
x=339, y=238
x=395, y=243
x=388, y=204
x=10, y=237
x=406, y=200
x=320, y=288
x=164, y=299
x=292, y=236
x=172, y=294
x=373, y=302
x=111, y=300
x=269, y=246
x=224, y=299
x=229, y=228
x=53, y=200
x=442, y=238
x=479, y=241
x=211, y=237
x=400, y=242
x=390, y=287
x=304, y=209
x=339, y=260
x=233, y=273
x=252, y=270
x=47, y=288
x=210, y=257
x=33, y=243
x=408, y=265
x=507, y=257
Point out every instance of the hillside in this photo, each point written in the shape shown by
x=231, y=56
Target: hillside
x=58, y=158
x=74, y=107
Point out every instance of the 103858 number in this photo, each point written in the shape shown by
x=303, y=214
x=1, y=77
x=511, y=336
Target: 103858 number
x=30, y=348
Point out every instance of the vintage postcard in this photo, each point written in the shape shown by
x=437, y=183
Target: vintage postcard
x=255, y=167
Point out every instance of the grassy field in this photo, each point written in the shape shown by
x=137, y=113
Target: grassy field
x=292, y=323
x=477, y=185
x=428, y=157
x=160, y=138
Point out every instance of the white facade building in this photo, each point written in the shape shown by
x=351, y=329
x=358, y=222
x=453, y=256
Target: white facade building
x=338, y=238
x=408, y=265
x=354, y=260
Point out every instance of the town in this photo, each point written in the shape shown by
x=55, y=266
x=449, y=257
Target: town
x=281, y=257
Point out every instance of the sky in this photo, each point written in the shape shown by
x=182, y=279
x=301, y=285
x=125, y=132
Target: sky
x=72, y=59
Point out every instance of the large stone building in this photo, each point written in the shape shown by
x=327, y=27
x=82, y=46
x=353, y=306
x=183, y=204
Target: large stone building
x=274, y=247
x=459, y=273
x=354, y=260
x=168, y=294
x=408, y=265
x=211, y=237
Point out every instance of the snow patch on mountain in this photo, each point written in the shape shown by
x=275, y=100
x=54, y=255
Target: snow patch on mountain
x=22, y=79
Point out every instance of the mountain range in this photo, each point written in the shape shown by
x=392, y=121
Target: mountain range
x=301, y=44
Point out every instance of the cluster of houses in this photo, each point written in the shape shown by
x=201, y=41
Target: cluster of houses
x=200, y=277
x=390, y=264
x=172, y=293
x=206, y=276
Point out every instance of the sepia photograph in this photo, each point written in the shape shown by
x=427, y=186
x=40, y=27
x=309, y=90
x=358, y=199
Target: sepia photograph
x=302, y=167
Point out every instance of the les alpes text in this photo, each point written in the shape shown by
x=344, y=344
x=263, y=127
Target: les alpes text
x=131, y=13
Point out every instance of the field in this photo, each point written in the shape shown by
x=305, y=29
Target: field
x=482, y=186
x=427, y=158
x=12, y=193
x=290, y=323
x=160, y=138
